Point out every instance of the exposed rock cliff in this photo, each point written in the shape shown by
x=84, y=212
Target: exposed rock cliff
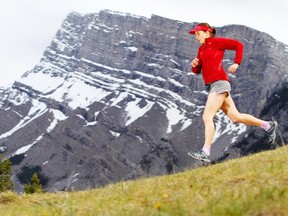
x=113, y=98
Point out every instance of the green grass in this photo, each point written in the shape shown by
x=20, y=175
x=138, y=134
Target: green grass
x=252, y=185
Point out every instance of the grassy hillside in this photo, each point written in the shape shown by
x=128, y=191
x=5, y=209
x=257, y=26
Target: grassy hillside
x=253, y=185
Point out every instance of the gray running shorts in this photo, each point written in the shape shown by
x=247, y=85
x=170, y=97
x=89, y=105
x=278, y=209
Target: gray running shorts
x=219, y=87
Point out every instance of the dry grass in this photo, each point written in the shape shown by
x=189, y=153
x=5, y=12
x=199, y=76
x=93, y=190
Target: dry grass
x=253, y=185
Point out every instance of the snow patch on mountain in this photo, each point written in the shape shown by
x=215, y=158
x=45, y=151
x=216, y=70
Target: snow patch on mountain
x=25, y=148
x=134, y=110
x=58, y=116
x=175, y=116
x=223, y=125
x=15, y=97
x=42, y=82
x=37, y=109
x=78, y=93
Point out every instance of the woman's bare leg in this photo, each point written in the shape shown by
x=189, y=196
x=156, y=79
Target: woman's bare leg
x=226, y=104
x=231, y=111
x=229, y=108
x=213, y=104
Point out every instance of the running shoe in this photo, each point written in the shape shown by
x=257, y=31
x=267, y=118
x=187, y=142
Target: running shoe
x=271, y=133
x=200, y=155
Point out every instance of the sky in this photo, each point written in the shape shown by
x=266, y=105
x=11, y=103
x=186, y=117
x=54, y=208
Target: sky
x=27, y=27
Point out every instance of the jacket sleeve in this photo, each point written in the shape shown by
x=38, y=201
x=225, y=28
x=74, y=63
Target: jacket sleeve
x=230, y=44
x=198, y=68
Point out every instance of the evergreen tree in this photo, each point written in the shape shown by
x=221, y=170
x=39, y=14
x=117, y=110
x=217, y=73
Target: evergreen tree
x=35, y=185
x=5, y=175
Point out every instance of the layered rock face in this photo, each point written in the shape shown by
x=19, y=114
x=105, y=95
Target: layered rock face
x=113, y=98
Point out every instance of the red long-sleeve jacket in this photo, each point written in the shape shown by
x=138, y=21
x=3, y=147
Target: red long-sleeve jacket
x=211, y=55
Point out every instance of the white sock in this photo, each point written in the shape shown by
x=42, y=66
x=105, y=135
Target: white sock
x=265, y=125
x=206, y=148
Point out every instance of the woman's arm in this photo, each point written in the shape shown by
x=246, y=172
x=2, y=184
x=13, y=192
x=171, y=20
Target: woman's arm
x=196, y=65
x=230, y=44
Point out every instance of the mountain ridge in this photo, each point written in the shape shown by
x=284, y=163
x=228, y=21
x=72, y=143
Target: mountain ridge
x=113, y=98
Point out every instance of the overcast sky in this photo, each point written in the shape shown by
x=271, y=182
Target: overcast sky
x=28, y=26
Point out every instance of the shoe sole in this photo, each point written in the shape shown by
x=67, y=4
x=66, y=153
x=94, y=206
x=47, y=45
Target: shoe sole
x=201, y=159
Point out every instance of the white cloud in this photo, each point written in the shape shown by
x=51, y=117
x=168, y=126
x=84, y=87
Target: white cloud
x=27, y=27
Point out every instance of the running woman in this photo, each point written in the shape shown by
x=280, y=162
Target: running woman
x=209, y=62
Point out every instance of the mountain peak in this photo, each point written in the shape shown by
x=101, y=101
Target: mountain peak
x=113, y=98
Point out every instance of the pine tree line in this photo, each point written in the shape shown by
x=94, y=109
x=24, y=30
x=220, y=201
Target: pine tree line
x=34, y=186
x=5, y=175
x=6, y=182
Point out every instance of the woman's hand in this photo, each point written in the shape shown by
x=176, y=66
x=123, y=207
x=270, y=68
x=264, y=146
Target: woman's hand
x=194, y=62
x=233, y=68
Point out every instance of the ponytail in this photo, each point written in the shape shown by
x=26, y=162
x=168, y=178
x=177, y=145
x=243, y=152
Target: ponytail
x=213, y=33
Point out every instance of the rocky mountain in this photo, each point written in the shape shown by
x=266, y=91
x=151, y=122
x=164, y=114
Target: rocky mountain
x=113, y=98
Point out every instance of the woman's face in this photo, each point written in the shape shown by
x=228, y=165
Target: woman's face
x=201, y=36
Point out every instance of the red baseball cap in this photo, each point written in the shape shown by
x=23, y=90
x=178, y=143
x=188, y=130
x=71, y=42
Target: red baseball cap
x=200, y=28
